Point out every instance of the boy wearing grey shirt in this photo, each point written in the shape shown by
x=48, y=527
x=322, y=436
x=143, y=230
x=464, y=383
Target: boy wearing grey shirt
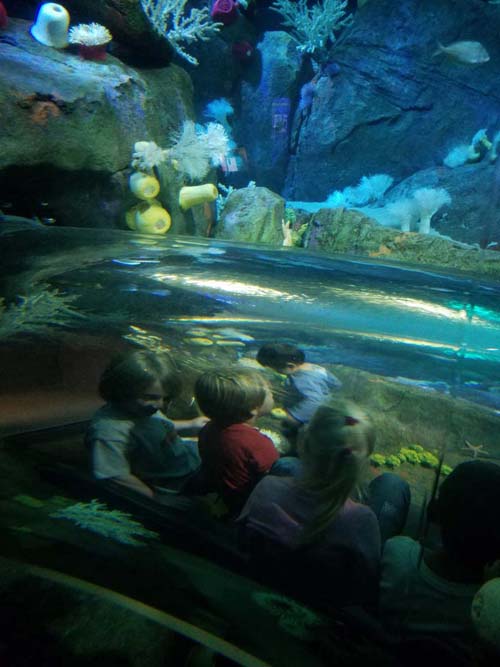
x=307, y=385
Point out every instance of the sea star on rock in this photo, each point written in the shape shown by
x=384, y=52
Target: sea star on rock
x=474, y=450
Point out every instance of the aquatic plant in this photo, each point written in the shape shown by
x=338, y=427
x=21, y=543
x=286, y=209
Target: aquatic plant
x=312, y=27
x=169, y=20
x=89, y=34
x=96, y=517
x=40, y=312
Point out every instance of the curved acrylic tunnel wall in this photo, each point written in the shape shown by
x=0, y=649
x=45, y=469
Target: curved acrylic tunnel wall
x=415, y=325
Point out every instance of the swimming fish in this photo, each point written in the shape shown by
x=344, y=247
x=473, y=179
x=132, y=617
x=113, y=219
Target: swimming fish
x=468, y=53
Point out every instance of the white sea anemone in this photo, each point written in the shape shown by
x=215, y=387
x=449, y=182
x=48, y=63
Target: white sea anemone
x=147, y=155
x=89, y=34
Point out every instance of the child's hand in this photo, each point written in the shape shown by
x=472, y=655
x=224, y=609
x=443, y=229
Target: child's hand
x=199, y=422
x=194, y=424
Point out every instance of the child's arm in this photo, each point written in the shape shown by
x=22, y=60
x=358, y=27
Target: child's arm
x=195, y=424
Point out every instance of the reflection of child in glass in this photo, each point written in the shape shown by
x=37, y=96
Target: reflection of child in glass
x=234, y=453
x=130, y=440
x=307, y=385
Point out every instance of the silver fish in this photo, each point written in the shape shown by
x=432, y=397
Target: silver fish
x=469, y=53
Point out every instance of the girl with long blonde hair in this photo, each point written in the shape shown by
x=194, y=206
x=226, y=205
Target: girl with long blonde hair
x=308, y=533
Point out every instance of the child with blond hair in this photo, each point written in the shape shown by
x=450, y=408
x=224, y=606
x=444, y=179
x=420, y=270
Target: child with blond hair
x=235, y=455
x=309, y=533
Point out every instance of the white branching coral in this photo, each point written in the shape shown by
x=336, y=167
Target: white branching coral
x=40, y=312
x=170, y=21
x=96, y=517
x=147, y=155
x=313, y=26
x=89, y=34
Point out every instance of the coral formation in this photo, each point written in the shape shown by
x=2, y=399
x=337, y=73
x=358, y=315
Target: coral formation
x=169, y=20
x=314, y=26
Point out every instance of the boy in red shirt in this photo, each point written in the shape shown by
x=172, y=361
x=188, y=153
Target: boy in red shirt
x=235, y=455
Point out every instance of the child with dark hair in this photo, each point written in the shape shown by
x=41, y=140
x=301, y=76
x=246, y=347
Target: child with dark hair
x=318, y=542
x=234, y=453
x=432, y=591
x=307, y=385
x=130, y=440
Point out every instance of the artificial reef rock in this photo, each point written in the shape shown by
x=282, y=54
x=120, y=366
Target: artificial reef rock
x=69, y=127
x=352, y=232
x=393, y=107
x=255, y=215
x=252, y=215
x=134, y=39
x=268, y=97
x=472, y=215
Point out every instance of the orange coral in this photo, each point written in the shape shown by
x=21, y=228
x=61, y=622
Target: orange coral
x=42, y=111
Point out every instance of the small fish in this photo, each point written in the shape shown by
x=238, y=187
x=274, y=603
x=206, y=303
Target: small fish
x=468, y=53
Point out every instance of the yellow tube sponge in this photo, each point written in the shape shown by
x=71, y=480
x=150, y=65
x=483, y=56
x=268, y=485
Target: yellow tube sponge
x=130, y=217
x=152, y=218
x=143, y=185
x=197, y=194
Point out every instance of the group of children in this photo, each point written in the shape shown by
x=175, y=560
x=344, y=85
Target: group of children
x=310, y=521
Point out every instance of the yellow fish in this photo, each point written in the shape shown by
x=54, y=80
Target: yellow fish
x=469, y=53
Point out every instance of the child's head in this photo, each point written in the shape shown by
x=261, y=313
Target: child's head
x=281, y=357
x=233, y=396
x=467, y=513
x=334, y=447
x=485, y=613
x=140, y=381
